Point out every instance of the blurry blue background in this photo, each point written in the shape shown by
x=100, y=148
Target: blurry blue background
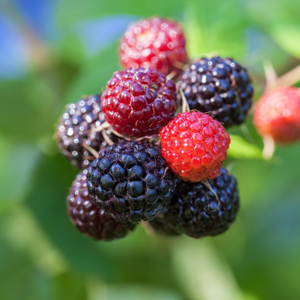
x=52, y=52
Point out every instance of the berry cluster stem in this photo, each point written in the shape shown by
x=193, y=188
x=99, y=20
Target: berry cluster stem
x=102, y=127
x=269, y=147
x=207, y=185
x=290, y=78
x=270, y=74
x=185, y=105
x=92, y=150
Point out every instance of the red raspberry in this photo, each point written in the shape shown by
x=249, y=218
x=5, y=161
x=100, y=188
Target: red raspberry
x=277, y=115
x=138, y=102
x=195, y=146
x=154, y=43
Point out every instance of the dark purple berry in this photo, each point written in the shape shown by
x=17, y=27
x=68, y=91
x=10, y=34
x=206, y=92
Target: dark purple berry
x=195, y=210
x=75, y=130
x=88, y=218
x=219, y=87
x=130, y=181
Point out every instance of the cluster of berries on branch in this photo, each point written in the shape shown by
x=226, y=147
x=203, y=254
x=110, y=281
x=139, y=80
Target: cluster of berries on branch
x=141, y=159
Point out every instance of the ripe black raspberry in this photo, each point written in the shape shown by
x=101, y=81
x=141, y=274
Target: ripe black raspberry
x=130, y=181
x=196, y=212
x=220, y=87
x=75, y=130
x=88, y=218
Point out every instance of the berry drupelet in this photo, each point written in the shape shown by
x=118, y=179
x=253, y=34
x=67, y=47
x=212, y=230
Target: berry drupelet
x=154, y=43
x=88, y=218
x=75, y=130
x=138, y=102
x=130, y=181
x=194, y=145
x=195, y=210
x=219, y=87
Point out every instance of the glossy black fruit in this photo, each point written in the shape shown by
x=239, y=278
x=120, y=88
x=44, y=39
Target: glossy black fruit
x=219, y=87
x=130, y=181
x=88, y=218
x=197, y=212
x=76, y=129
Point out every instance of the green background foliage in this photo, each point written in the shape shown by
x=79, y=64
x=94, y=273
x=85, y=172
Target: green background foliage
x=42, y=256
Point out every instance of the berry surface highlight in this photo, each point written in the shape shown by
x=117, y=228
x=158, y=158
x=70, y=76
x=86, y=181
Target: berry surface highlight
x=75, y=130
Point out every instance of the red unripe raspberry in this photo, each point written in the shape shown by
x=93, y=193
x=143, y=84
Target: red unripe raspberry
x=277, y=115
x=138, y=102
x=154, y=43
x=195, y=146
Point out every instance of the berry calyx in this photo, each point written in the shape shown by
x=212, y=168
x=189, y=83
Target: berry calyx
x=277, y=115
x=88, y=218
x=138, y=102
x=219, y=87
x=194, y=145
x=75, y=130
x=196, y=212
x=130, y=181
x=154, y=43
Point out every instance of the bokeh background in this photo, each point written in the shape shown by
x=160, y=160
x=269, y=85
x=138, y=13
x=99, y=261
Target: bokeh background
x=54, y=51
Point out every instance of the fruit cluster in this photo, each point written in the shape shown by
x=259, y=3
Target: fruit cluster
x=141, y=161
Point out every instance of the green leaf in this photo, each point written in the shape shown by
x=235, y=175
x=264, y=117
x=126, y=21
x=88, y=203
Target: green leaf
x=281, y=10
x=29, y=262
x=18, y=162
x=69, y=284
x=202, y=273
x=287, y=35
x=94, y=76
x=239, y=148
x=132, y=292
x=28, y=109
x=34, y=242
x=215, y=26
x=69, y=12
x=47, y=201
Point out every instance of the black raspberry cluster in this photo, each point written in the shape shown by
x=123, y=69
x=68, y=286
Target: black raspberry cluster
x=142, y=162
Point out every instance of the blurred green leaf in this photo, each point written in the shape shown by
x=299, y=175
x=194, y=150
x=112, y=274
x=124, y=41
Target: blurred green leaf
x=32, y=241
x=14, y=267
x=28, y=109
x=93, y=77
x=68, y=286
x=287, y=35
x=94, y=8
x=240, y=148
x=47, y=201
x=18, y=162
x=70, y=49
x=131, y=292
x=282, y=24
x=20, y=279
x=280, y=11
x=202, y=273
x=29, y=261
x=215, y=26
